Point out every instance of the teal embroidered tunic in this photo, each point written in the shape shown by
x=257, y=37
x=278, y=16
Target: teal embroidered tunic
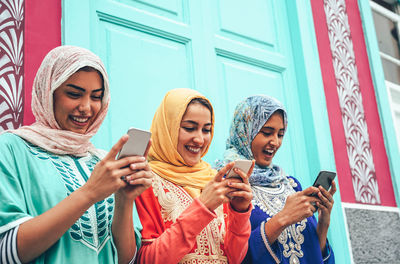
x=33, y=180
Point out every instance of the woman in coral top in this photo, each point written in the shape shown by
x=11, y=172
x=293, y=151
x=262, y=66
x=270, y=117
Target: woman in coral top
x=191, y=214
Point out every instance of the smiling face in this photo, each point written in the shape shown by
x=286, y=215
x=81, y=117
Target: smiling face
x=268, y=140
x=194, y=133
x=78, y=101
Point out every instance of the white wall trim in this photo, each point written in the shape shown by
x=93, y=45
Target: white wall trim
x=371, y=207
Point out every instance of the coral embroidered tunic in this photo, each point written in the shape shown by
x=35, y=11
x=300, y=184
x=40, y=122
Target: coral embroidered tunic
x=180, y=229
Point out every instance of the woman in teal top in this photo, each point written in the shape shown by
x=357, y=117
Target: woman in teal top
x=61, y=199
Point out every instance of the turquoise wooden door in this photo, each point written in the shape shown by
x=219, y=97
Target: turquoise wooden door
x=227, y=49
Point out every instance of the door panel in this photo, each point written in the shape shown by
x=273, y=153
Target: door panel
x=225, y=49
x=247, y=22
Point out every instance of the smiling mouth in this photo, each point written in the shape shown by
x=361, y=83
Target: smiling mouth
x=80, y=120
x=194, y=150
x=268, y=152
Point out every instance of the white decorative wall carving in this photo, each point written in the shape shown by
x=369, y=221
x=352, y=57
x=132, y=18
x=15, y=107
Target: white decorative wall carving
x=11, y=63
x=355, y=127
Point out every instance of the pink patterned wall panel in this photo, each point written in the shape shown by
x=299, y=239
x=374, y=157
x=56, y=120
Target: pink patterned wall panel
x=11, y=63
x=358, y=147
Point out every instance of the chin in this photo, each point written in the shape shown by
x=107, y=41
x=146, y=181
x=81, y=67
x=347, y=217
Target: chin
x=192, y=163
x=263, y=164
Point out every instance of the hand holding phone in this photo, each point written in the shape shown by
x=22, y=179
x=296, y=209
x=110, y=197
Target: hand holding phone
x=136, y=144
x=243, y=165
x=324, y=179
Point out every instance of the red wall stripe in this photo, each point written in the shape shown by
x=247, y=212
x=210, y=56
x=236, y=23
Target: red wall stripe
x=42, y=33
x=370, y=106
x=369, y=102
x=332, y=102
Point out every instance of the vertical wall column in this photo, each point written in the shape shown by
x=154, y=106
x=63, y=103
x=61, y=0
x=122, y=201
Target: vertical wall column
x=360, y=154
x=12, y=25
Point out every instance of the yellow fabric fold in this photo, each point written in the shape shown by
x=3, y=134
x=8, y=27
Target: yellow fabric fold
x=164, y=158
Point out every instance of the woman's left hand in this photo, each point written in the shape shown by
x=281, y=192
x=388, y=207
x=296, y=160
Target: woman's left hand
x=325, y=205
x=241, y=194
x=324, y=213
x=138, y=181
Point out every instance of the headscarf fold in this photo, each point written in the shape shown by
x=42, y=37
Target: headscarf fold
x=164, y=158
x=249, y=117
x=58, y=65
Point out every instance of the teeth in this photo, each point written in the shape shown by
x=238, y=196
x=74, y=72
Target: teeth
x=195, y=150
x=269, y=151
x=80, y=120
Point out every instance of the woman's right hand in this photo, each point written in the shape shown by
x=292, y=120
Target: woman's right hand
x=214, y=193
x=299, y=206
x=106, y=175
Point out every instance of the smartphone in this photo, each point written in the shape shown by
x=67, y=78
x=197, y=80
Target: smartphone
x=243, y=165
x=136, y=144
x=324, y=179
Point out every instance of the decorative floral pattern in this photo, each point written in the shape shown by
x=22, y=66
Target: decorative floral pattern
x=11, y=63
x=271, y=201
x=355, y=127
x=93, y=228
x=173, y=201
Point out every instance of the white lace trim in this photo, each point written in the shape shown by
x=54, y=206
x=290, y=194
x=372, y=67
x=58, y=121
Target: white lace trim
x=173, y=201
x=271, y=201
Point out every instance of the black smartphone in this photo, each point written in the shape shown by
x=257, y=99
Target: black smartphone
x=324, y=179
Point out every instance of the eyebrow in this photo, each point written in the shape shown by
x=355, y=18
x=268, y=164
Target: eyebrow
x=267, y=127
x=84, y=90
x=195, y=123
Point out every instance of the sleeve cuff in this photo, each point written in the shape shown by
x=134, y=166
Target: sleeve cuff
x=134, y=257
x=327, y=252
x=268, y=246
x=8, y=246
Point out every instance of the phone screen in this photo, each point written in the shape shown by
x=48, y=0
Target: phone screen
x=243, y=165
x=136, y=144
x=325, y=179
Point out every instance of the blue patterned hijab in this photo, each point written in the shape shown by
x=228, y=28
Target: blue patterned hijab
x=250, y=116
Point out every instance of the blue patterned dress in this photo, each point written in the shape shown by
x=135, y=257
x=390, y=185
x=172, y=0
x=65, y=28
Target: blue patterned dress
x=298, y=243
x=32, y=181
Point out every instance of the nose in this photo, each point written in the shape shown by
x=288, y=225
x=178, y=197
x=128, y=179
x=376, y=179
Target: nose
x=198, y=138
x=274, y=140
x=84, y=105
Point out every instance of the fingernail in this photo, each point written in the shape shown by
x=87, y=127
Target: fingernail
x=133, y=166
x=142, y=159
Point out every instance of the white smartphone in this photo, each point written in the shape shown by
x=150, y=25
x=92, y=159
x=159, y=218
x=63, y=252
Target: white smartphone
x=243, y=165
x=136, y=144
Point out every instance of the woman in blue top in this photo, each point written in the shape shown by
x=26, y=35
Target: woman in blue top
x=284, y=229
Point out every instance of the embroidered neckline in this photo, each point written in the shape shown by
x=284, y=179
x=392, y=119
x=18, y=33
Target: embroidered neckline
x=93, y=228
x=271, y=201
x=173, y=201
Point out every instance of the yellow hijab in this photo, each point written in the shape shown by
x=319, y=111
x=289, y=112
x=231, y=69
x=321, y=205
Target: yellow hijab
x=164, y=158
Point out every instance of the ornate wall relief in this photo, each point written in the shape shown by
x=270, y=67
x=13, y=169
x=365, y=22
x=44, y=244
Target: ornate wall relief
x=359, y=151
x=11, y=63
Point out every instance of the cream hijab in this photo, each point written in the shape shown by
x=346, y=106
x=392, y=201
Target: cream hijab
x=164, y=158
x=58, y=65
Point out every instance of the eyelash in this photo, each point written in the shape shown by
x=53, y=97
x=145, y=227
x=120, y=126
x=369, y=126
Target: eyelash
x=99, y=97
x=77, y=95
x=269, y=134
x=191, y=129
x=73, y=95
